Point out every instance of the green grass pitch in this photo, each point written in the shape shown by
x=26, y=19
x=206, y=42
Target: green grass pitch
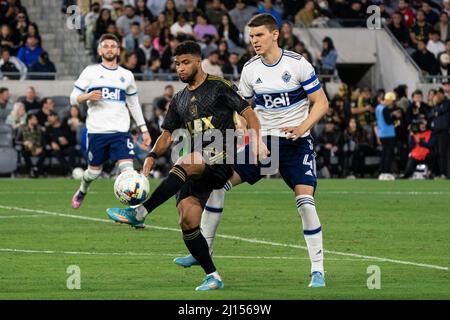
x=403, y=227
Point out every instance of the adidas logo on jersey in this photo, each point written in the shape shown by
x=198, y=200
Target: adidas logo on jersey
x=258, y=81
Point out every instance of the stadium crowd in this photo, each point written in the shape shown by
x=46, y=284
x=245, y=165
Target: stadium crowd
x=353, y=140
x=21, y=53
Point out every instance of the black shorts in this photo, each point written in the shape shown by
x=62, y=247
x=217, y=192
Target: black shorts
x=200, y=187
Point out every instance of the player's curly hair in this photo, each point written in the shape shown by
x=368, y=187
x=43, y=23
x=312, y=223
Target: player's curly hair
x=188, y=47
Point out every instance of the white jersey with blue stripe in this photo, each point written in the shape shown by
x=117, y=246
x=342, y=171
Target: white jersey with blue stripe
x=280, y=90
x=118, y=89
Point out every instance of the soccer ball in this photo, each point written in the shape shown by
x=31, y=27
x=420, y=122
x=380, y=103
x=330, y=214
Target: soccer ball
x=131, y=188
x=77, y=173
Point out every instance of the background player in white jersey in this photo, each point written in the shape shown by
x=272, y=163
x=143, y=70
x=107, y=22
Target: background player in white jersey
x=111, y=95
x=283, y=84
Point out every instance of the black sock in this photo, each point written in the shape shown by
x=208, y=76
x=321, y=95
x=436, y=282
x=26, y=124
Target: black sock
x=198, y=247
x=168, y=188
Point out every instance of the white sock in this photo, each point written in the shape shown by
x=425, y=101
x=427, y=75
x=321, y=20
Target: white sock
x=312, y=231
x=89, y=176
x=125, y=166
x=211, y=216
x=215, y=275
x=141, y=213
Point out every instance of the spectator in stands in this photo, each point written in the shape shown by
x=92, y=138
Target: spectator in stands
x=443, y=27
x=17, y=117
x=156, y=6
x=424, y=58
x=9, y=39
x=430, y=16
x=307, y=15
x=356, y=148
x=31, y=101
x=407, y=13
x=10, y=9
x=215, y=12
x=441, y=127
x=58, y=137
x=435, y=45
x=386, y=134
x=362, y=109
x=328, y=57
x=340, y=104
x=112, y=29
x=167, y=59
x=20, y=25
x=33, y=30
x=399, y=30
x=241, y=15
x=420, y=30
x=354, y=15
x=90, y=20
x=141, y=150
x=287, y=39
x=267, y=7
x=75, y=122
x=191, y=12
x=228, y=31
x=211, y=64
x=101, y=25
x=203, y=28
x=162, y=40
x=5, y=104
x=12, y=64
x=29, y=53
x=143, y=11
x=231, y=68
x=329, y=148
x=301, y=49
x=416, y=107
x=125, y=22
x=208, y=45
x=132, y=64
x=134, y=39
x=43, y=65
x=48, y=106
x=181, y=27
x=153, y=68
x=223, y=52
x=421, y=142
x=162, y=102
x=446, y=4
x=31, y=138
x=146, y=52
x=117, y=10
x=170, y=12
x=443, y=68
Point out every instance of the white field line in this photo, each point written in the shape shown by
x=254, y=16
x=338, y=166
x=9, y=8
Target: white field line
x=278, y=244
x=145, y=254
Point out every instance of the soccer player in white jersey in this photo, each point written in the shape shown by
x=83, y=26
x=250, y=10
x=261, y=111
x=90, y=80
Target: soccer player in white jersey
x=111, y=95
x=282, y=84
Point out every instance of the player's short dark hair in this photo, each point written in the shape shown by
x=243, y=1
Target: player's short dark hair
x=264, y=19
x=188, y=47
x=3, y=89
x=109, y=36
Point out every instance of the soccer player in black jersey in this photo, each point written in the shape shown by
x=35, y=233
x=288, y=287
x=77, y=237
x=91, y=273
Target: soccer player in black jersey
x=206, y=104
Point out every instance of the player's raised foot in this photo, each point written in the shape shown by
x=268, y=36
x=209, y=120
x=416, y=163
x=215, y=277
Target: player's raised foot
x=317, y=280
x=210, y=283
x=127, y=216
x=77, y=199
x=186, y=262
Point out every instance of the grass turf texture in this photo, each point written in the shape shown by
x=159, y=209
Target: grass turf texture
x=400, y=220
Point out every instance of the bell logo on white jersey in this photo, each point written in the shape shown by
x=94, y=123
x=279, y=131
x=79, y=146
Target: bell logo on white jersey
x=281, y=101
x=107, y=93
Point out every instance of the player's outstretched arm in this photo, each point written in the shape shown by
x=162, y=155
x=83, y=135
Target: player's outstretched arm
x=319, y=109
x=254, y=127
x=161, y=146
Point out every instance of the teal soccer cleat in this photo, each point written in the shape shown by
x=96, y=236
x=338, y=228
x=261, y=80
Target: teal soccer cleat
x=186, y=262
x=127, y=216
x=210, y=283
x=317, y=280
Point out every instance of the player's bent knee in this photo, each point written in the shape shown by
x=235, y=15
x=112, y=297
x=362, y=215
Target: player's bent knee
x=304, y=190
